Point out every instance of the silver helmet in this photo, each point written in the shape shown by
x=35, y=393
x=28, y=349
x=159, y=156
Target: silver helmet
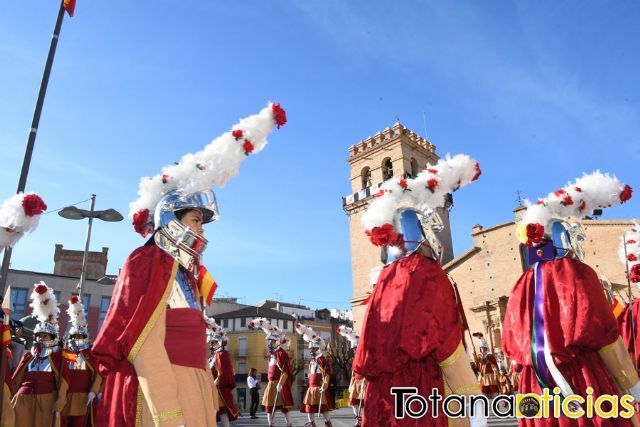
x=416, y=227
x=175, y=238
x=46, y=328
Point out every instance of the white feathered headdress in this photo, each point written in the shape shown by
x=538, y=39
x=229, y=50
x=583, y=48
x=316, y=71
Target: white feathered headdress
x=212, y=167
x=577, y=199
x=77, y=317
x=427, y=190
x=215, y=331
x=45, y=308
x=310, y=336
x=629, y=252
x=349, y=334
x=19, y=214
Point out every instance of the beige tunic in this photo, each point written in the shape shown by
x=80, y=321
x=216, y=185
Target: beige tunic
x=172, y=395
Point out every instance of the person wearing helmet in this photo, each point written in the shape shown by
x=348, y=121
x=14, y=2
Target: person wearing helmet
x=81, y=381
x=37, y=376
x=223, y=375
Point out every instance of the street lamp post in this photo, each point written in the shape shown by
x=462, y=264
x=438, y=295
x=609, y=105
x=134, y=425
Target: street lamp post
x=71, y=212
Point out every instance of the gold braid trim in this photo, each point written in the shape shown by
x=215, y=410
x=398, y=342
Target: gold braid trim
x=609, y=347
x=154, y=316
x=167, y=415
x=139, y=408
x=471, y=388
x=449, y=361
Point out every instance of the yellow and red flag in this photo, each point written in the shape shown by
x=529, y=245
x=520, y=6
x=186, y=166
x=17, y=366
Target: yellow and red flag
x=206, y=285
x=617, y=308
x=6, y=335
x=70, y=356
x=69, y=6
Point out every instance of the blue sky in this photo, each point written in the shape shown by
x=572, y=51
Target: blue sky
x=538, y=92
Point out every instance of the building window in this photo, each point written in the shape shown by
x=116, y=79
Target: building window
x=387, y=169
x=243, y=322
x=225, y=323
x=365, y=177
x=242, y=348
x=104, y=307
x=85, y=303
x=414, y=167
x=19, y=298
x=242, y=368
x=285, y=324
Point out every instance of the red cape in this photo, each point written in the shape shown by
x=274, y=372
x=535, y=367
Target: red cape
x=139, y=294
x=226, y=382
x=411, y=324
x=629, y=321
x=578, y=322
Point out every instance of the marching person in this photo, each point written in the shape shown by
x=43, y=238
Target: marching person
x=37, y=376
x=412, y=331
x=81, y=381
x=223, y=375
x=558, y=323
x=487, y=367
x=254, y=387
x=357, y=384
x=629, y=320
x=277, y=394
x=153, y=340
x=317, y=398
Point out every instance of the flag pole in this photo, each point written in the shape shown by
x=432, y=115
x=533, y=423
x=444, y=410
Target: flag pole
x=26, y=162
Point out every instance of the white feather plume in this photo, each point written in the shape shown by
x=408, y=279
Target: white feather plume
x=44, y=304
x=427, y=190
x=76, y=313
x=577, y=199
x=211, y=167
x=629, y=249
x=14, y=222
x=349, y=334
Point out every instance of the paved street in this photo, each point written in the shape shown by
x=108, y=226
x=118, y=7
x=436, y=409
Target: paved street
x=342, y=417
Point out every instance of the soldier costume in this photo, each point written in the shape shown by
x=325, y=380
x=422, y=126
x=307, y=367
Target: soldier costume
x=223, y=375
x=412, y=330
x=558, y=323
x=357, y=384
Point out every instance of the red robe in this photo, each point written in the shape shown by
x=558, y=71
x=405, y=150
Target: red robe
x=578, y=321
x=316, y=380
x=223, y=372
x=411, y=324
x=629, y=322
x=137, y=294
x=273, y=374
x=80, y=381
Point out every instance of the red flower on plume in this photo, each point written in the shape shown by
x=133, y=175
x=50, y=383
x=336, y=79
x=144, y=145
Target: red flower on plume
x=578, y=189
x=141, y=222
x=33, y=205
x=165, y=178
x=403, y=183
x=626, y=193
x=582, y=205
x=237, y=134
x=632, y=257
x=379, y=194
x=478, y=172
x=634, y=274
x=630, y=242
x=384, y=235
x=540, y=202
x=279, y=115
x=432, y=184
x=434, y=171
x=535, y=233
x=73, y=299
x=248, y=147
x=41, y=289
x=566, y=199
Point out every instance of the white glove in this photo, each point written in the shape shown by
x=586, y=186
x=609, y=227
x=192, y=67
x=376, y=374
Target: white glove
x=635, y=392
x=217, y=381
x=478, y=419
x=279, y=388
x=321, y=390
x=90, y=397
